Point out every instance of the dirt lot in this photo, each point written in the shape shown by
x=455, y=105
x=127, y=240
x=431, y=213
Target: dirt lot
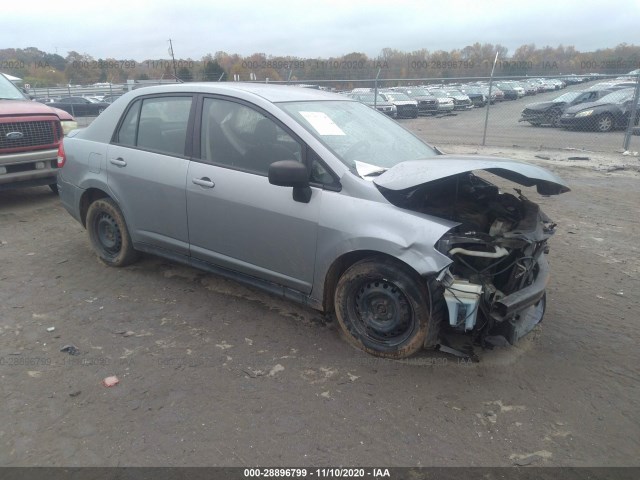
x=214, y=373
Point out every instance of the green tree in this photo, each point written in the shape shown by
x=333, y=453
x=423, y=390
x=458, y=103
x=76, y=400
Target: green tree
x=185, y=74
x=213, y=71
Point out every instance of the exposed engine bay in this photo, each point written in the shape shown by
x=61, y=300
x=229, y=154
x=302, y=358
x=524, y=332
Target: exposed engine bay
x=495, y=284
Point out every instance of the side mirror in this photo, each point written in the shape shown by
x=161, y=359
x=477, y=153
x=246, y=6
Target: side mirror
x=289, y=173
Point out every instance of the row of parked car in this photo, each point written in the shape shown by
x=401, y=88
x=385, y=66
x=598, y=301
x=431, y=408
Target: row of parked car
x=602, y=107
x=411, y=101
x=81, y=106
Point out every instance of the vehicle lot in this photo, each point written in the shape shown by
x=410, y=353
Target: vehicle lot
x=504, y=130
x=215, y=373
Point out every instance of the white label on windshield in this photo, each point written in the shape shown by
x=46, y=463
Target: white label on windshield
x=321, y=122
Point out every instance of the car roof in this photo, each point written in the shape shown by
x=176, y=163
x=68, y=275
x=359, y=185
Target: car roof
x=270, y=92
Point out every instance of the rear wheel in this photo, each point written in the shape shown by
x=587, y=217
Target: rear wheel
x=384, y=308
x=604, y=123
x=54, y=188
x=109, y=235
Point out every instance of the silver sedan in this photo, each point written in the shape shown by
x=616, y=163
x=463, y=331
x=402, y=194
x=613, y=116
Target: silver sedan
x=317, y=198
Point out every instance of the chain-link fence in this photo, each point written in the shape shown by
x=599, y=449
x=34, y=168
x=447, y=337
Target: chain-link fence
x=589, y=112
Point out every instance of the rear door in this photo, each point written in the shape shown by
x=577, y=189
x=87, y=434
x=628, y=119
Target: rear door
x=147, y=168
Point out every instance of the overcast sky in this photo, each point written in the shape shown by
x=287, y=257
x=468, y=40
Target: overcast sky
x=321, y=28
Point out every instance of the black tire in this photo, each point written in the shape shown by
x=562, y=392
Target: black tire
x=100, y=110
x=54, y=188
x=109, y=235
x=553, y=118
x=605, y=123
x=383, y=308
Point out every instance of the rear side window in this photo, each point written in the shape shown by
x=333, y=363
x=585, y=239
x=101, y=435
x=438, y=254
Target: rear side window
x=129, y=126
x=157, y=124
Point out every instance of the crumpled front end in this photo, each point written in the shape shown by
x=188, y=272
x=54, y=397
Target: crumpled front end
x=495, y=286
x=534, y=115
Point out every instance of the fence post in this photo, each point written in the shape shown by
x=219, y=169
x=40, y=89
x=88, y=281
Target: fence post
x=632, y=116
x=73, y=110
x=375, y=90
x=486, y=116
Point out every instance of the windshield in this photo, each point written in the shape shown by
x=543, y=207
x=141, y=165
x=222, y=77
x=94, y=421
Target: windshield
x=418, y=92
x=397, y=96
x=438, y=93
x=8, y=90
x=619, y=96
x=368, y=97
x=356, y=133
x=567, y=97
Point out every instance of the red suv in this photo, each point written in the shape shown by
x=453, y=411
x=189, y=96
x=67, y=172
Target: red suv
x=30, y=134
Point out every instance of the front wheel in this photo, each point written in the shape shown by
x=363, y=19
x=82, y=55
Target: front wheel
x=384, y=308
x=109, y=235
x=604, y=123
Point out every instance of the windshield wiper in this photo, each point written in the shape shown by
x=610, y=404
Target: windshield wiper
x=377, y=173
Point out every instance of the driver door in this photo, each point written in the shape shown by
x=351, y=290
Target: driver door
x=236, y=218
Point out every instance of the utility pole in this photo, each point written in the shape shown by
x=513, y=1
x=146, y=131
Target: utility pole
x=175, y=72
x=486, y=116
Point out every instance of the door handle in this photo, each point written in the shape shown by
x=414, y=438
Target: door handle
x=118, y=161
x=204, y=182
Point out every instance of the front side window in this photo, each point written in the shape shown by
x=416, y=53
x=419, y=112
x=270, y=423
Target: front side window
x=238, y=136
x=157, y=124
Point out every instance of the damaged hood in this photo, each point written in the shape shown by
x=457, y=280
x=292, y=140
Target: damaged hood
x=417, y=172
